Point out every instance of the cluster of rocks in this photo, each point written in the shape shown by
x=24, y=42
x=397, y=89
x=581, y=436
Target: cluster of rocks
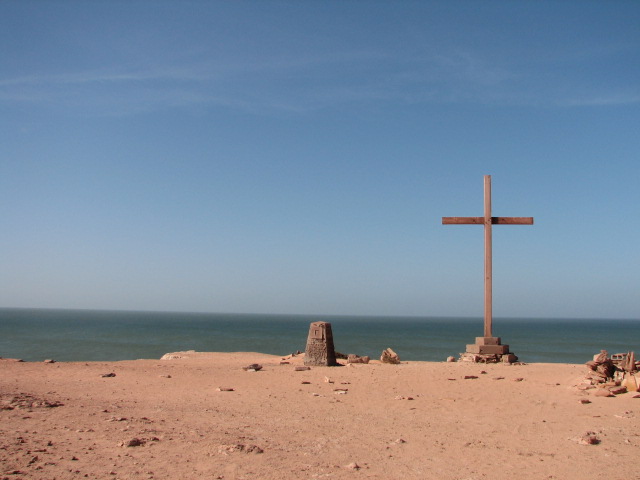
x=488, y=357
x=614, y=375
x=23, y=400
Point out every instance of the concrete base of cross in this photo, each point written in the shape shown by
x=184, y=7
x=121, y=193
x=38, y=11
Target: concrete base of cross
x=488, y=349
x=488, y=345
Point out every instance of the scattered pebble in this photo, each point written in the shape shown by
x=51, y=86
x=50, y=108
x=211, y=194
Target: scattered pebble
x=254, y=367
x=589, y=438
x=225, y=389
x=49, y=361
x=585, y=401
x=135, y=442
x=470, y=377
x=519, y=379
x=627, y=414
x=106, y=375
x=327, y=380
x=353, y=466
x=304, y=382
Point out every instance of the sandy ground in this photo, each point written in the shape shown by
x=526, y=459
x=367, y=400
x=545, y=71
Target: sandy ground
x=417, y=420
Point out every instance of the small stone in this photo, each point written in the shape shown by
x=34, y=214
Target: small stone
x=470, y=377
x=353, y=466
x=451, y=359
x=509, y=358
x=302, y=369
x=400, y=440
x=519, y=379
x=165, y=376
x=585, y=401
x=254, y=367
x=618, y=390
x=327, y=380
x=135, y=442
x=49, y=361
x=225, y=389
x=107, y=375
x=305, y=383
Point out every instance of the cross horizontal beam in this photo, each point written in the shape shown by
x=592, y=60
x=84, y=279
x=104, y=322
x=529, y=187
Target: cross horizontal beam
x=494, y=220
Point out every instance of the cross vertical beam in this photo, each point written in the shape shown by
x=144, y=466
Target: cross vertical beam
x=487, y=220
x=488, y=263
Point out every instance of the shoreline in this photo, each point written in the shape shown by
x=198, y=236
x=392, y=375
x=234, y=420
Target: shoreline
x=197, y=354
x=200, y=415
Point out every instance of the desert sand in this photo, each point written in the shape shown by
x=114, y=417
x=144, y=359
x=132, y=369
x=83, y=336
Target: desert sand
x=201, y=416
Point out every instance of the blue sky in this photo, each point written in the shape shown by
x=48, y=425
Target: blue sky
x=297, y=157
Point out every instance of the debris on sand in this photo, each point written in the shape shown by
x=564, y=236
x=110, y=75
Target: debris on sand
x=589, y=438
x=389, y=356
x=254, y=367
x=23, y=400
x=615, y=374
x=239, y=448
x=353, y=358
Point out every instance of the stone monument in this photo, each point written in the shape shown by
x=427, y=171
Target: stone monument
x=320, y=350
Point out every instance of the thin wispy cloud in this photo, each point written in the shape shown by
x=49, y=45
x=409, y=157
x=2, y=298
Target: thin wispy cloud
x=301, y=83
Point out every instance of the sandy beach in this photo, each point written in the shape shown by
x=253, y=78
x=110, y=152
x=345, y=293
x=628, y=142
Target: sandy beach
x=200, y=415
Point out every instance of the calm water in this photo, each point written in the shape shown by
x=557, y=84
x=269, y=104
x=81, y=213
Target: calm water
x=84, y=335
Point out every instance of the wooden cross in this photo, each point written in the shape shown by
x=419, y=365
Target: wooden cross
x=487, y=221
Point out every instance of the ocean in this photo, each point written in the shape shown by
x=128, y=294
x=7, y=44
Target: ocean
x=92, y=335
